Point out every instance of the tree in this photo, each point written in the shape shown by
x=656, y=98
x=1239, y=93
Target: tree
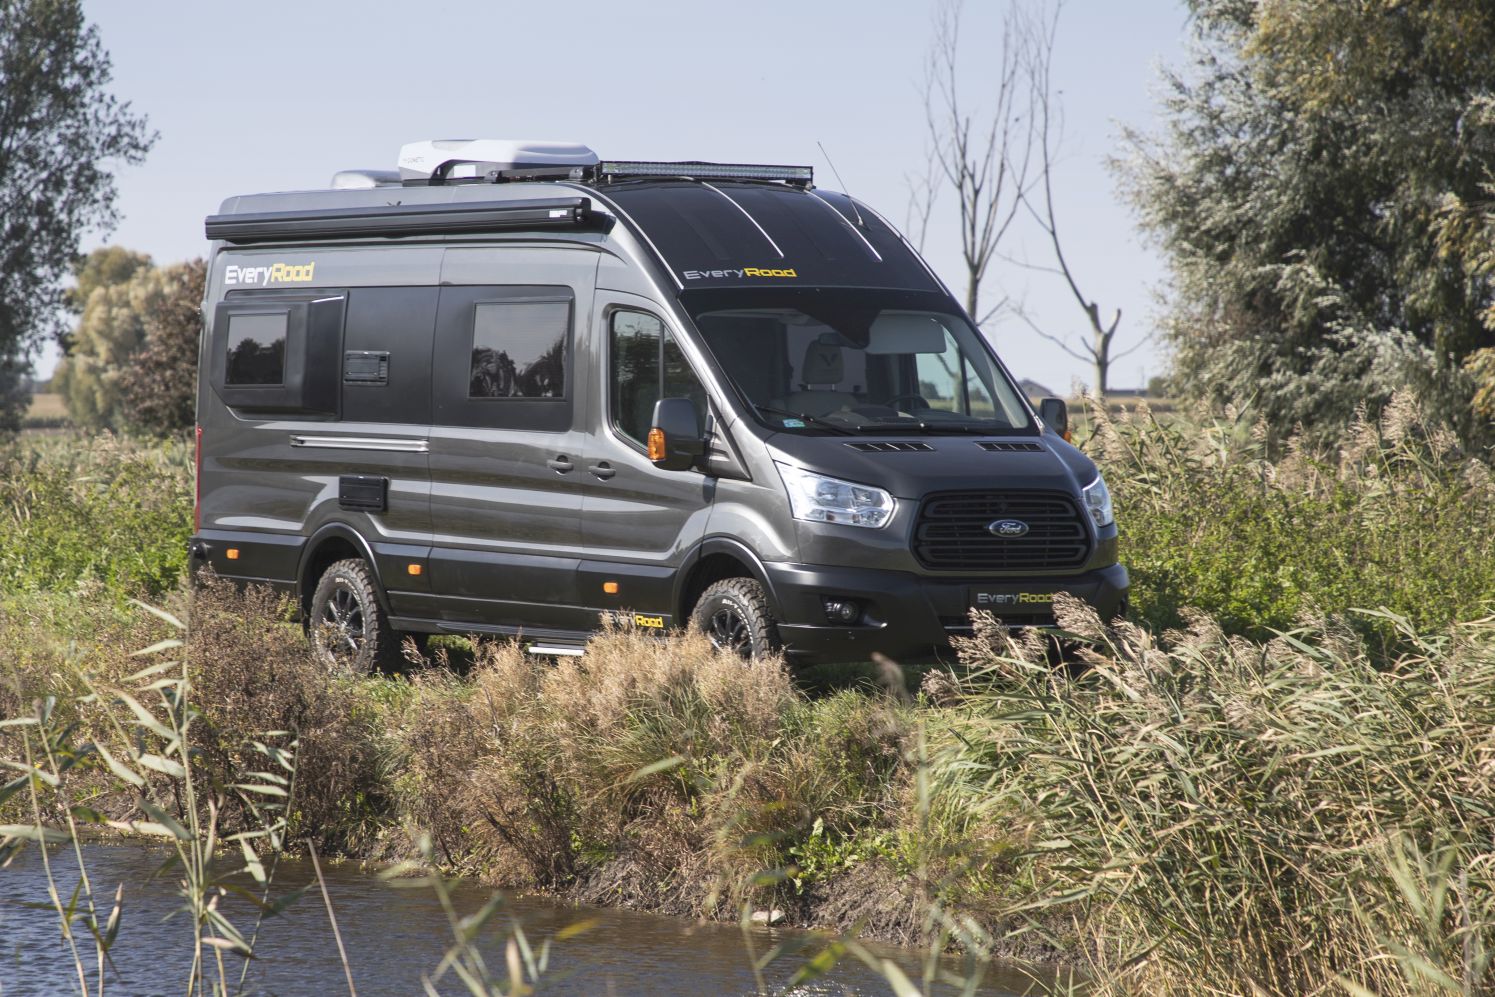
x=132, y=363
x=1320, y=194
x=113, y=288
x=159, y=385
x=985, y=157
x=60, y=134
x=1098, y=349
x=999, y=165
x=103, y=267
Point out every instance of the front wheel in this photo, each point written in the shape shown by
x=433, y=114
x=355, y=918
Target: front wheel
x=348, y=628
x=735, y=615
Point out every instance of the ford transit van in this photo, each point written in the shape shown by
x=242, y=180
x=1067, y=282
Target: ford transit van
x=512, y=387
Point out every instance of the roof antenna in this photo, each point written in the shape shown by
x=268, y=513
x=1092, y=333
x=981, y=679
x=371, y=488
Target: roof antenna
x=854, y=209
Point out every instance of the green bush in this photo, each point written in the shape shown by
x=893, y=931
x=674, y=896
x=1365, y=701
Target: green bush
x=1400, y=517
x=96, y=514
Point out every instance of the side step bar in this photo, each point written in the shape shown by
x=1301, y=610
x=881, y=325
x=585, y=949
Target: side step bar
x=556, y=650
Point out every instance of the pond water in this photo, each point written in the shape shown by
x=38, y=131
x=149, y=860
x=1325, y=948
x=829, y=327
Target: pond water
x=396, y=936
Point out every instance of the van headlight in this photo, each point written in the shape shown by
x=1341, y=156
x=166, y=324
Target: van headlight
x=1098, y=502
x=818, y=499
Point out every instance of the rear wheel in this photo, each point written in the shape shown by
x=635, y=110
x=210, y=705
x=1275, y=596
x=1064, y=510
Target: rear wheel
x=348, y=628
x=735, y=615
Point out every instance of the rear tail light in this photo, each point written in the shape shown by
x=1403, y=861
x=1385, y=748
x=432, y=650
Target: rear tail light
x=197, y=484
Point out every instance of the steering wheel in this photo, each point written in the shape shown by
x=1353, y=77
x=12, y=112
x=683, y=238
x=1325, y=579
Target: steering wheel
x=916, y=402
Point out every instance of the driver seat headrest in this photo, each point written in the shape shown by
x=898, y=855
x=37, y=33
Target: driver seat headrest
x=823, y=364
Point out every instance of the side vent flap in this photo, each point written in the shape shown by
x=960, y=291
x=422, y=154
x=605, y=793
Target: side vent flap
x=363, y=492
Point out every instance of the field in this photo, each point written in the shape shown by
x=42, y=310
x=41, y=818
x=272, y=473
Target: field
x=47, y=412
x=1275, y=779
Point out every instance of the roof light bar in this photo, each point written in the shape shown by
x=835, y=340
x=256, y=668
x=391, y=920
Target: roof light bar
x=798, y=175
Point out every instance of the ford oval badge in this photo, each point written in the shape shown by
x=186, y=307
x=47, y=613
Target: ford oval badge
x=1007, y=528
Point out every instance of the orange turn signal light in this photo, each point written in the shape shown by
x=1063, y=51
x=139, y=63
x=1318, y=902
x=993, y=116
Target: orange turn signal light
x=413, y=569
x=656, y=444
x=232, y=553
x=611, y=588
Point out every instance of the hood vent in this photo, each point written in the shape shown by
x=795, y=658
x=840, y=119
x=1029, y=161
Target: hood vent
x=891, y=446
x=1005, y=447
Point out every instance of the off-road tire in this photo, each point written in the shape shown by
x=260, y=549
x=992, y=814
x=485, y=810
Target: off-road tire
x=348, y=629
x=735, y=614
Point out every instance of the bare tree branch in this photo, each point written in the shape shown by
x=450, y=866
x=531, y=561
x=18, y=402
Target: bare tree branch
x=923, y=191
x=987, y=158
x=1063, y=344
x=1050, y=126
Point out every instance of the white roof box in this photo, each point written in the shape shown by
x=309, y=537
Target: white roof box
x=478, y=157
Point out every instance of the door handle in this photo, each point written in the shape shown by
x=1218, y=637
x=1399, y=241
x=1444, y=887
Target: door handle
x=603, y=470
x=560, y=464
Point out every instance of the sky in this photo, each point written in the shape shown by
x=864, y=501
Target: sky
x=279, y=96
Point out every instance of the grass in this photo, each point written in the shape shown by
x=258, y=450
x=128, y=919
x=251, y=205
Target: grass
x=1398, y=517
x=1204, y=814
x=1192, y=813
x=99, y=517
x=1275, y=781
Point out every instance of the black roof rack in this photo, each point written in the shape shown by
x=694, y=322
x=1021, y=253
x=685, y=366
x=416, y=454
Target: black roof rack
x=797, y=176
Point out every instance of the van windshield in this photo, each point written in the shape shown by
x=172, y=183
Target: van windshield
x=853, y=360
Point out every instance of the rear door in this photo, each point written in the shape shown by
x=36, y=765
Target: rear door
x=506, y=453
x=638, y=523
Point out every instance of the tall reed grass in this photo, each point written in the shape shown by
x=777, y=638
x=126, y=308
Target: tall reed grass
x=1204, y=814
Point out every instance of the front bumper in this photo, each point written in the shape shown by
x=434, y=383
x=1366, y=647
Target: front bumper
x=913, y=617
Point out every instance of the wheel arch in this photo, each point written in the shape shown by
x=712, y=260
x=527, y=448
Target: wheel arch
x=328, y=545
x=715, y=559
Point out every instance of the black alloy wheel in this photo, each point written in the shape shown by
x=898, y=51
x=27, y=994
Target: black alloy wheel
x=735, y=616
x=347, y=626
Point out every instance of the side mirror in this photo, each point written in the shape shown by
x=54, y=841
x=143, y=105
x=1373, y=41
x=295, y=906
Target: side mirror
x=1055, y=414
x=675, y=440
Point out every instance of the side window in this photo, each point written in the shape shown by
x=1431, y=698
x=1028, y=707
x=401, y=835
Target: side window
x=519, y=349
x=256, y=349
x=646, y=364
x=278, y=351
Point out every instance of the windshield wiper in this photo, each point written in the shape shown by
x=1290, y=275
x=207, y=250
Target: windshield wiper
x=813, y=420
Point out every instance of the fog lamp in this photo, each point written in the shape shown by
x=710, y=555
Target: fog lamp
x=842, y=610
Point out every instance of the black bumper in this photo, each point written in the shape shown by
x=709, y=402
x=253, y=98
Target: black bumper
x=912, y=617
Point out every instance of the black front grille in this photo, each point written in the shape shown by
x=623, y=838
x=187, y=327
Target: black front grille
x=952, y=533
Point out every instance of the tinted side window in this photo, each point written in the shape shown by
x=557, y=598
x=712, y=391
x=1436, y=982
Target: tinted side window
x=646, y=365
x=503, y=357
x=256, y=349
x=519, y=349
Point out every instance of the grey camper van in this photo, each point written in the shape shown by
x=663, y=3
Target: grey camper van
x=511, y=387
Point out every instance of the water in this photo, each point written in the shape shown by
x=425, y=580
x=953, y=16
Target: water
x=395, y=936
